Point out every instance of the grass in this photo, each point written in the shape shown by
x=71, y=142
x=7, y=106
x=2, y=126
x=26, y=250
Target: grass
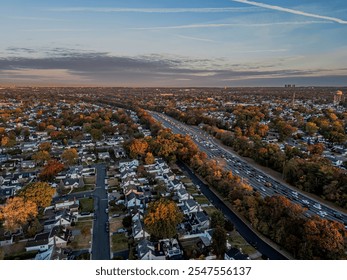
x=191, y=190
x=237, y=241
x=13, y=251
x=82, y=241
x=209, y=210
x=82, y=189
x=89, y=180
x=119, y=242
x=87, y=204
x=113, y=182
x=201, y=199
x=186, y=180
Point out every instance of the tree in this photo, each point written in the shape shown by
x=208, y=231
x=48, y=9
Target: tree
x=16, y=212
x=45, y=146
x=69, y=156
x=41, y=157
x=138, y=147
x=149, y=158
x=219, y=242
x=162, y=218
x=311, y=128
x=50, y=170
x=41, y=193
x=217, y=219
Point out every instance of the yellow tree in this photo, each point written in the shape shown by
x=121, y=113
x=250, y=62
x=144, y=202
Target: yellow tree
x=41, y=193
x=162, y=218
x=149, y=158
x=138, y=147
x=69, y=156
x=41, y=157
x=16, y=212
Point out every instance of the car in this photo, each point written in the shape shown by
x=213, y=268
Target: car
x=121, y=230
x=115, y=215
x=94, y=217
x=337, y=215
x=305, y=202
x=317, y=206
x=323, y=213
x=106, y=210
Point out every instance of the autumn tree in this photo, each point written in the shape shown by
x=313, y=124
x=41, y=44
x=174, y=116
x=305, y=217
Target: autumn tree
x=16, y=212
x=45, y=146
x=149, y=159
x=41, y=193
x=162, y=218
x=50, y=170
x=41, y=157
x=138, y=147
x=69, y=156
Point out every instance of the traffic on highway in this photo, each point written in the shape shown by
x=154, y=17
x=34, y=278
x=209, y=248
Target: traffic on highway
x=265, y=184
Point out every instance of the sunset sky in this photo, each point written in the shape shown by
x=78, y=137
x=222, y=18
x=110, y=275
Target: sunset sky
x=173, y=43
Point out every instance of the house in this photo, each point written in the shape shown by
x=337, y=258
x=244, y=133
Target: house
x=183, y=194
x=175, y=184
x=133, y=200
x=147, y=250
x=53, y=253
x=139, y=231
x=25, y=164
x=171, y=249
x=63, y=218
x=57, y=236
x=134, y=163
x=104, y=156
x=235, y=254
x=71, y=183
x=71, y=205
x=189, y=206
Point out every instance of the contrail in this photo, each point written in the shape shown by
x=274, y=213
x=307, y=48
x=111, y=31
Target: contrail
x=291, y=11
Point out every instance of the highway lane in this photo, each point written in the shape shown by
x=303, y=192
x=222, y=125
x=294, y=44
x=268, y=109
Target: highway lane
x=253, y=176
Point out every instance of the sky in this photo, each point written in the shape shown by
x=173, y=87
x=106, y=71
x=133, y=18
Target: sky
x=161, y=43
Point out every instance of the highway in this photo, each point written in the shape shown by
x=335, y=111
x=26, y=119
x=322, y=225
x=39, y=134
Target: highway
x=265, y=184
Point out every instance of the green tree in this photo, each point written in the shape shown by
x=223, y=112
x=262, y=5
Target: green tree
x=219, y=238
x=217, y=219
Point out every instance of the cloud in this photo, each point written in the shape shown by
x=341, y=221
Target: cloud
x=291, y=11
x=221, y=25
x=93, y=68
x=196, y=38
x=152, y=10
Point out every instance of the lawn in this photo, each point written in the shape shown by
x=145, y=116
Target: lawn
x=201, y=199
x=209, y=210
x=119, y=242
x=191, y=190
x=237, y=241
x=82, y=241
x=89, y=180
x=87, y=204
x=14, y=251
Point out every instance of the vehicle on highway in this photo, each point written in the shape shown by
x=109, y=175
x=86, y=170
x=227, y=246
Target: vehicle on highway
x=317, y=206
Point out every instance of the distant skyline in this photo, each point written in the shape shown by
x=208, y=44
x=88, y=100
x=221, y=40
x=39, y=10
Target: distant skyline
x=173, y=43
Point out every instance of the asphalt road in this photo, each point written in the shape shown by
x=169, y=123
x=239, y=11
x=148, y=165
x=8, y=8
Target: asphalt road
x=101, y=240
x=241, y=227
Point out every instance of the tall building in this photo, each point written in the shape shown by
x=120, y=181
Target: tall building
x=337, y=97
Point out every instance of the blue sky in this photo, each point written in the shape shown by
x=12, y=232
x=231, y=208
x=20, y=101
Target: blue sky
x=173, y=43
